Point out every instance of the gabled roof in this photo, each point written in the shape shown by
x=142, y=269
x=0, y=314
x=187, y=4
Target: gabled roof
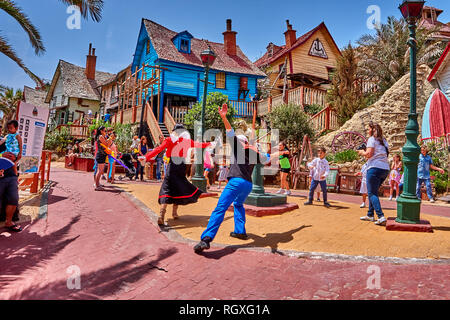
x=265, y=59
x=161, y=38
x=440, y=63
x=35, y=97
x=75, y=82
x=118, y=75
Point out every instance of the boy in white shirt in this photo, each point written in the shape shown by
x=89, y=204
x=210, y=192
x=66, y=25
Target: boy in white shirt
x=320, y=170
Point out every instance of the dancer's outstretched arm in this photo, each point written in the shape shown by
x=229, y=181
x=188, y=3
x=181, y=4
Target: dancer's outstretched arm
x=223, y=114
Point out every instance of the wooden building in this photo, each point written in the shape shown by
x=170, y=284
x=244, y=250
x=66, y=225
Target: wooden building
x=440, y=75
x=111, y=90
x=430, y=21
x=75, y=90
x=305, y=61
x=175, y=57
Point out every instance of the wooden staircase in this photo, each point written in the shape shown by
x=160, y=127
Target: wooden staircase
x=164, y=129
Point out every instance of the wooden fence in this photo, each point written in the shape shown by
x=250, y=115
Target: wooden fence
x=36, y=181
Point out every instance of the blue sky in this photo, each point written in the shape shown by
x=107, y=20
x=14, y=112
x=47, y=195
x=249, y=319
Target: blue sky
x=257, y=22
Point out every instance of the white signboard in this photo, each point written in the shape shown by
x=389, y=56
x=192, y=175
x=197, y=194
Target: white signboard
x=32, y=127
x=317, y=50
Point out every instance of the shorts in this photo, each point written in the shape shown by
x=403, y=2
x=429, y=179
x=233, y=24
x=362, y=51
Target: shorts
x=9, y=190
x=286, y=170
x=101, y=158
x=208, y=169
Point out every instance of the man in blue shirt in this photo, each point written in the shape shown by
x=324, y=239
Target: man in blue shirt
x=423, y=173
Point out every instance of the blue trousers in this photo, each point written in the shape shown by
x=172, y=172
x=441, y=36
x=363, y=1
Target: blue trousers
x=375, y=178
x=427, y=184
x=159, y=162
x=323, y=186
x=236, y=191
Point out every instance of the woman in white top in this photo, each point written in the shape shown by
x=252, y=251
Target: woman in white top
x=377, y=170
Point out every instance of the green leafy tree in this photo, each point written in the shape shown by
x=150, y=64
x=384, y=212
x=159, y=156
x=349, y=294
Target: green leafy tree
x=212, y=118
x=124, y=136
x=58, y=140
x=9, y=100
x=293, y=124
x=87, y=7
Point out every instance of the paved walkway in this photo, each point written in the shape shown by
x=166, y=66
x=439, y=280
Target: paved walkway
x=120, y=254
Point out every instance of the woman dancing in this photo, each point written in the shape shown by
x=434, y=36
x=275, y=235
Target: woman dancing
x=176, y=189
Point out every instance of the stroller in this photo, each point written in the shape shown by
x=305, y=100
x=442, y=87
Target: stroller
x=128, y=162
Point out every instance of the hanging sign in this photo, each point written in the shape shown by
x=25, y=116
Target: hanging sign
x=317, y=50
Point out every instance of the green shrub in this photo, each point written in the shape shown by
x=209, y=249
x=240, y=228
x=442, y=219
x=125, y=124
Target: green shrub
x=345, y=156
x=124, y=136
x=313, y=109
x=58, y=140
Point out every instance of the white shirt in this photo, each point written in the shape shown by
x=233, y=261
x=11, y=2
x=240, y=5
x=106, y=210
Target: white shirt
x=319, y=168
x=364, y=169
x=379, y=158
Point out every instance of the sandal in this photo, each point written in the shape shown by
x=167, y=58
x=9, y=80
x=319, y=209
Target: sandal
x=14, y=228
x=160, y=222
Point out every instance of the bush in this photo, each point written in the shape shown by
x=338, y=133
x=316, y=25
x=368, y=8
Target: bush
x=313, y=109
x=293, y=124
x=58, y=140
x=124, y=136
x=212, y=118
x=439, y=154
x=344, y=156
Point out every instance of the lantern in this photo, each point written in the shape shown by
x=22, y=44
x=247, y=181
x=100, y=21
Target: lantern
x=412, y=9
x=208, y=56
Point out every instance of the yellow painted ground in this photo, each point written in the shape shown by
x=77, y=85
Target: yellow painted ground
x=310, y=229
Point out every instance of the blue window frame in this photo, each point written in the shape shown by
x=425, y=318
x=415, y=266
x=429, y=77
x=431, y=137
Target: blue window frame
x=184, y=45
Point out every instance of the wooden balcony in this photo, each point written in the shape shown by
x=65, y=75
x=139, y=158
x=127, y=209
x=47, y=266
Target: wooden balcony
x=77, y=131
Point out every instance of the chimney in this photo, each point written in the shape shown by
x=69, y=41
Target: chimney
x=229, y=40
x=91, y=61
x=290, y=35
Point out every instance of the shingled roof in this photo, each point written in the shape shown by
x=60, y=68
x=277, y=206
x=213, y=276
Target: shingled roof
x=161, y=38
x=75, y=82
x=280, y=51
x=35, y=97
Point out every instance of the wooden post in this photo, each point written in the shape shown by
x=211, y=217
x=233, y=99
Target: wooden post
x=270, y=104
x=35, y=183
x=133, y=119
x=121, y=116
x=42, y=170
x=159, y=92
x=49, y=164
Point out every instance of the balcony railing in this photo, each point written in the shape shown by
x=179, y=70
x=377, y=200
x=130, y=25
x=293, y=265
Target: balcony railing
x=243, y=109
x=76, y=131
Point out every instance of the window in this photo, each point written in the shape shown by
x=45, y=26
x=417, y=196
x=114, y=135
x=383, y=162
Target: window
x=184, y=45
x=221, y=80
x=147, y=47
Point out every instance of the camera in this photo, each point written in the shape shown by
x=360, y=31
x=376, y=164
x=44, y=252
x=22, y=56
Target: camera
x=362, y=147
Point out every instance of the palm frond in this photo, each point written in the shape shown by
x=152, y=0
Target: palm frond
x=33, y=34
x=8, y=51
x=92, y=7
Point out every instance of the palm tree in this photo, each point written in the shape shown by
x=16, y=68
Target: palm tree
x=8, y=104
x=91, y=7
x=385, y=55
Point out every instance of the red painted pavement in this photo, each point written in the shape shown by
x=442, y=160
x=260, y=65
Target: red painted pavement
x=122, y=255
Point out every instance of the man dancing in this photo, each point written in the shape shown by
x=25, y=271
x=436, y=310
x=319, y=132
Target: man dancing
x=238, y=188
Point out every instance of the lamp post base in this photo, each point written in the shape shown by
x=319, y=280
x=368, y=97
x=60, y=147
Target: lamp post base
x=199, y=183
x=408, y=210
x=265, y=200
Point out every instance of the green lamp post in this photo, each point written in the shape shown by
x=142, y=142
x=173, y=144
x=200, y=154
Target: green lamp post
x=408, y=206
x=208, y=57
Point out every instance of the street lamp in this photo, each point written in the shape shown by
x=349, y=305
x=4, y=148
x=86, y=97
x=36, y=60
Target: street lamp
x=408, y=206
x=208, y=57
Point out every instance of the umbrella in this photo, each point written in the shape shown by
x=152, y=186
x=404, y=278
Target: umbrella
x=5, y=164
x=436, y=116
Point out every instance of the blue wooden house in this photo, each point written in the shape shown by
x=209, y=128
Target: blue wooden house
x=178, y=54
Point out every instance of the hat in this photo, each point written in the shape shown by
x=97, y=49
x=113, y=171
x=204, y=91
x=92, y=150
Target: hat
x=242, y=138
x=179, y=126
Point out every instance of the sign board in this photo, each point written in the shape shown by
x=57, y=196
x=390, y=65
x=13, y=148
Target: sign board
x=32, y=127
x=317, y=50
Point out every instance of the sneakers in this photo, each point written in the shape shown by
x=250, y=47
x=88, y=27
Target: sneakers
x=288, y=192
x=381, y=221
x=367, y=218
x=238, y=236
x=308, y=203
x=363, y=205
x=327, y=204
x=390, y=198
x=432, y=201
x=280, y=191
x=202, y=245
x=318, y=200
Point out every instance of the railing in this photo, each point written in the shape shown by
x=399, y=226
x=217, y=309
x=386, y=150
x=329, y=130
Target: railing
x=169, y=121
x=243, y=109
x=263, y=107
x=325, y=120
x=127, y=116
x=153, y=124
x=178, y=113
x=313, y=96
x=277, y=101
x=76, y=130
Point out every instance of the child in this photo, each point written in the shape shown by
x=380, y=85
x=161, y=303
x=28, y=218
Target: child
x=283, y=154
x=363, y=189
x=223, y=172
x=394, y=177
x=321, y=169
x=423, y=173
x=135, y=145
x=13, y=140
x=310, y=181
x=208, y=166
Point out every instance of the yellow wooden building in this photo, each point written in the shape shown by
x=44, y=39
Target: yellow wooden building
x=305, y=61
